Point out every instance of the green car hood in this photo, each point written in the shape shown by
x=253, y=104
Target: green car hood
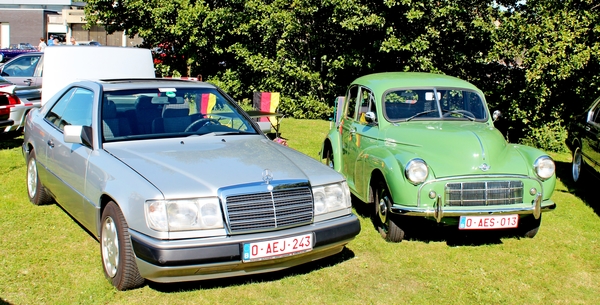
x=454, y=148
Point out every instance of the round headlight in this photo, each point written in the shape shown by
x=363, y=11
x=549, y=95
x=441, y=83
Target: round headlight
x=544, y=167
x=416, y=171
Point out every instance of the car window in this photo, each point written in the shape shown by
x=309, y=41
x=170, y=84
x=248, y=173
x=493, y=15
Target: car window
x=594, y=116
x=23, y=66
x=367, y=104
x=351, y=102
x=169, y=112
x=73, y=108
x=434, y=103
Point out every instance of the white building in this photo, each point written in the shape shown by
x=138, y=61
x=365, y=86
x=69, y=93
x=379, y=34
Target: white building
x=29, y=20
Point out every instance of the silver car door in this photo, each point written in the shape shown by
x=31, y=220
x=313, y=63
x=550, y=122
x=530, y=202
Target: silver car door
x=21, y=70
x=68, y=161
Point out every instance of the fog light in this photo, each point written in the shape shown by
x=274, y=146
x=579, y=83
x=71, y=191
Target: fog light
x=532, y=191
x=432, y=194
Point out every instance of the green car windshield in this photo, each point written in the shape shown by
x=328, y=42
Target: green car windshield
x=434, y=103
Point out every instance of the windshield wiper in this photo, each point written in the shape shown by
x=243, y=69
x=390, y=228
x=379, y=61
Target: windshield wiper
x=420, y=114
x=220, y=133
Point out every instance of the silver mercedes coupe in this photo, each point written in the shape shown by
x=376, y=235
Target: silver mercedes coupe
x=178, y=184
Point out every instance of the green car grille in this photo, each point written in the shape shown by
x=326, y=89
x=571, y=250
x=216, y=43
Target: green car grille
x=484, y=193
x=269, y=210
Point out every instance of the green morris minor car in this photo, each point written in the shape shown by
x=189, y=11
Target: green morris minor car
x=425, y=145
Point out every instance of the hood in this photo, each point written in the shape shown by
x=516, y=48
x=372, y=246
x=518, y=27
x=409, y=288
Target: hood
x=454, y=148
x=199, y=166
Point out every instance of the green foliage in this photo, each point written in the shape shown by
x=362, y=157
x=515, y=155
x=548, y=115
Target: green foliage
x=536, y=61
x=549, y=137
x=551, y=53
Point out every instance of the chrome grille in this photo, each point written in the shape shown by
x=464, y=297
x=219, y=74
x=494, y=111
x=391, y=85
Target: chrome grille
x=269, y=210
x=484, y=193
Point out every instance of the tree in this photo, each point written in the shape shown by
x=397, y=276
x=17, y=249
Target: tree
x=550, y=49
x=535, y=60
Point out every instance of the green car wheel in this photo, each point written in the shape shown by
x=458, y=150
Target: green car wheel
x=383, y=220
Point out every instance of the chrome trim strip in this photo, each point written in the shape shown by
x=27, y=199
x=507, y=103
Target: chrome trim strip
x=480, y=145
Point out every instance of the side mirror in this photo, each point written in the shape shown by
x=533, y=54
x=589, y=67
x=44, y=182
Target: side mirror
x=78, y=134
x=496, y=115
x=370, y=117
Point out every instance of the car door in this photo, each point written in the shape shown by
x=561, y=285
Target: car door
x=24, y=70
x=67, y=162
x=590, y=139
x=348, y=133
x=367, y=133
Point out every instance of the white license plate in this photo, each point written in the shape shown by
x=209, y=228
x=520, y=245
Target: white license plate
x=277, y=247
x=488, y=222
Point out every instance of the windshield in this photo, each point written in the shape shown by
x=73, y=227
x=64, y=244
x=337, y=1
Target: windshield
x=169, y=112
x=434, y=103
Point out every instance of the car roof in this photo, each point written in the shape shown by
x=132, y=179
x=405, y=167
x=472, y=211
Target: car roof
x=145, y=83
x=27, y=54
x=381, y=82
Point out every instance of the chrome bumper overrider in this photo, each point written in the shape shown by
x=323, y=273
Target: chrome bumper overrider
x=438, y=211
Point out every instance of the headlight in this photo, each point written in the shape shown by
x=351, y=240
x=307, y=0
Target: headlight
x=416, y=171
x=184, y=214
x=544, y=167
x=330, y=198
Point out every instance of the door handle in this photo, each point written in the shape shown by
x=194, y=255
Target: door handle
x=51, y=143
x=28, y=81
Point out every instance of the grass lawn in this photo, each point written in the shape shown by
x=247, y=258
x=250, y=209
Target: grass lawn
x=46, y=258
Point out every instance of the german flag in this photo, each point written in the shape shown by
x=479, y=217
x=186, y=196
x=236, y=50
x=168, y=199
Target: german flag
x=266, y=102
x=204, y=104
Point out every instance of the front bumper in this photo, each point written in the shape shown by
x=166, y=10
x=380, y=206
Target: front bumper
x=439, y=211
x=198, y=259
x=532, y=203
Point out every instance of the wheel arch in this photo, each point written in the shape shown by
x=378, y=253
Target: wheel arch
x=332, y=144
x=104, y=200
x=381, y=165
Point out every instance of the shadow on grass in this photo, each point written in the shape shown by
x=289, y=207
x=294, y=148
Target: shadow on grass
x=344, y=255
x=585, y=188
x=424, y=230
x=11, y=140
x=3, y=302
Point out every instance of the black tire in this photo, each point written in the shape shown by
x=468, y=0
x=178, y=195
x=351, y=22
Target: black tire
x=529, y=226
x=35, y=190
x=576, y=165
x=384, y=221
x=116, y=251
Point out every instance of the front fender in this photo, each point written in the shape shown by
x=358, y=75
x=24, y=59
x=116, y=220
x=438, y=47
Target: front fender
x=531, y=154
x=102, y=183
x=390, y=165
x=333, y=143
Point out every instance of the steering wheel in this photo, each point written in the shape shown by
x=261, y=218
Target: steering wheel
x=464, y=113
x=199, y=123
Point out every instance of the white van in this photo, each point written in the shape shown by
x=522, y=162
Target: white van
x=66, y=64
